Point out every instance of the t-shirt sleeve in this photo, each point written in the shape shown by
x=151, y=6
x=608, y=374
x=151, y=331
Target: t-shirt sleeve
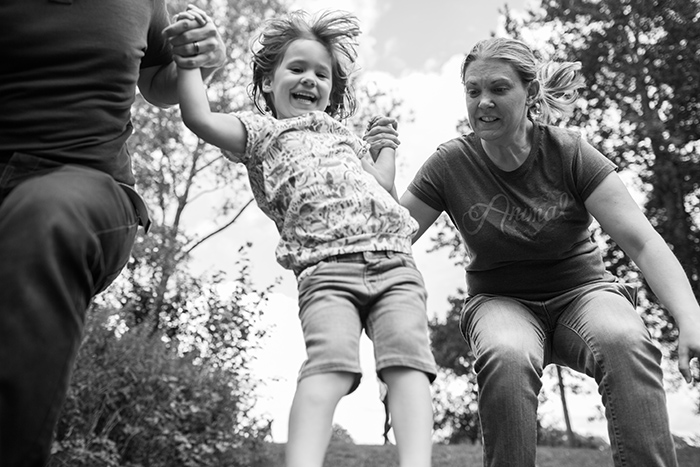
x=158, y=51
x=592, y=168
x=259, y=129
x=428, y=183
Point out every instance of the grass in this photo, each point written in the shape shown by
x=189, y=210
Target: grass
x=351, y=455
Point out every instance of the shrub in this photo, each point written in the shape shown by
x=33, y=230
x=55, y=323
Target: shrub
x=134, y=402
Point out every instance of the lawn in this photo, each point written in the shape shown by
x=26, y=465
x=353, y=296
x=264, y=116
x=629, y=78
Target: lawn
x=351, y=455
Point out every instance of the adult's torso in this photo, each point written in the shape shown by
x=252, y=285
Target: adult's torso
x=69, y=75
x=526, y=230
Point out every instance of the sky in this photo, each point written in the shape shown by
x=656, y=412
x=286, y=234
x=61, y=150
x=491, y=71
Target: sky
x=414, y=48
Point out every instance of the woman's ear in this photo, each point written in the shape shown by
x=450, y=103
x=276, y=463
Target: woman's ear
x=533, y=91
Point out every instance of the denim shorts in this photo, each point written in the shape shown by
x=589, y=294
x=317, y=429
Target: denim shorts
x=381, y=292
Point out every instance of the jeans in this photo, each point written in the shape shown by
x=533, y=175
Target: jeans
x=65, y=233
x=381, y=292
x=593, y=329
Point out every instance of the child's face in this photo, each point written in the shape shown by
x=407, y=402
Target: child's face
x=303, y=80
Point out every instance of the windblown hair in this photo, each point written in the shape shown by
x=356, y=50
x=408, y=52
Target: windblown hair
x=335, y=30
x=559, y=81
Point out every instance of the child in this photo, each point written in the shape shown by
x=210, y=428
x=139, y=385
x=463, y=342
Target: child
x=344, y=236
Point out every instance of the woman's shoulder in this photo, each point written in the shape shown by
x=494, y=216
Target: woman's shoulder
x=558, y=134
x=460, y=145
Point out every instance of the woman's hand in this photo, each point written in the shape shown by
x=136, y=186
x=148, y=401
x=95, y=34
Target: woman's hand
x=381, y=133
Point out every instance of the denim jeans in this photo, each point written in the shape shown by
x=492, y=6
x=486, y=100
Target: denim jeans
x=65, y=233
x=593, y=329
x=381, y=292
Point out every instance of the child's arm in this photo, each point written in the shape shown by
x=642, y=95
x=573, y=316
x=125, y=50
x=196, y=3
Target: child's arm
x=383, y=139
x=383, y=169
x=224, y=131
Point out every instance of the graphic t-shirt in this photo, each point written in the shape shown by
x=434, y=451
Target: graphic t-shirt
x=526, y=231
x=306, y=176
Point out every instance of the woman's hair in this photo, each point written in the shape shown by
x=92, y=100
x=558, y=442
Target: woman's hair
x=335, y=30
x=559, y=81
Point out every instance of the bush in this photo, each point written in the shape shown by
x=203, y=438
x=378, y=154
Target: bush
x=134, y=402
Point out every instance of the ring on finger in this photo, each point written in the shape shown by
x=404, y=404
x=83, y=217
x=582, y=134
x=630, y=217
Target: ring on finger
x=196, y=47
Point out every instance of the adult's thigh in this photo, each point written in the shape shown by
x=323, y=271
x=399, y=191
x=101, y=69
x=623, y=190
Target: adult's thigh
x=63, y=236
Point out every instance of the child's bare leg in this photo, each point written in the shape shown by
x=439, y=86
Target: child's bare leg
x=311, y=417
x=410, y=404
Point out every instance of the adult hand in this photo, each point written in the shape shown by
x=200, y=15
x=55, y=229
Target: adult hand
x=689, y=351
x=381, y=133
x=195, y=40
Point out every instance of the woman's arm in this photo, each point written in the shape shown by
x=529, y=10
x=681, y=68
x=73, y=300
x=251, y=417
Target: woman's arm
x=421, y=212
x=618, y=214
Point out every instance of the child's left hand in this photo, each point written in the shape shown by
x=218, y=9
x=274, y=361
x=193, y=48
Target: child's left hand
x=196, y=42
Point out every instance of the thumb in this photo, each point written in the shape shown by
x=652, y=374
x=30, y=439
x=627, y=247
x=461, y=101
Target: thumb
x=684, y=362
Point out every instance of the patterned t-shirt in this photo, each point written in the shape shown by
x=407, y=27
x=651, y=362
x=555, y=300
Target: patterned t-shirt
x=306, y=176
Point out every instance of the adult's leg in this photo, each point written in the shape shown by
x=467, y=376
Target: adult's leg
x=63, y=236
x=602, y=335
x=507, y=341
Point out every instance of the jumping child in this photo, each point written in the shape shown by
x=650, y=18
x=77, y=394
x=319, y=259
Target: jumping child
x=341, y=232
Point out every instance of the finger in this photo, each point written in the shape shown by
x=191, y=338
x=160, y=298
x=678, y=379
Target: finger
x=384, y=121
x=684, y=363
x=196, y=9
x=381, y=131
x=694, y=369
x=178, y=28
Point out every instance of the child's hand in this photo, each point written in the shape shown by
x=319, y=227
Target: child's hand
x=381, y=133
x=196, y=42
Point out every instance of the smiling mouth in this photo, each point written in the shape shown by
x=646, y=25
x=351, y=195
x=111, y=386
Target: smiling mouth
x=488, y=119
x=302, y=96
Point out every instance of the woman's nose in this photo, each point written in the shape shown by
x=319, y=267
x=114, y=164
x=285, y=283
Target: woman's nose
x=485, y=102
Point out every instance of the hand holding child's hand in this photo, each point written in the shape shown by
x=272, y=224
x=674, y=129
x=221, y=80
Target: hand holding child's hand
x=195, y=40
x=381, y=133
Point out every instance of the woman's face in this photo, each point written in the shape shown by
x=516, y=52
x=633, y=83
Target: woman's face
x=496, y=101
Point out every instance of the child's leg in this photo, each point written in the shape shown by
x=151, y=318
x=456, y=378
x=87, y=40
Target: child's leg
x=410, y=404
x=311, y=417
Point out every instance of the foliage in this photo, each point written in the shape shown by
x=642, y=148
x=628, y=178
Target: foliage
x=456, y=392
x=135, y=401
x=341, y=435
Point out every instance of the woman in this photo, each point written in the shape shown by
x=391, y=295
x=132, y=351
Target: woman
x=522, y=194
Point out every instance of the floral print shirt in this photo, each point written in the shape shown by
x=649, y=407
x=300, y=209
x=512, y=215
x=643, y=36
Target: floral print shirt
x=306, y=176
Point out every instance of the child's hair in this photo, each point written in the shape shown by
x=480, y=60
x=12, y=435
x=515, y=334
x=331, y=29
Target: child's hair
x=559, y=81
x=335, y=30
